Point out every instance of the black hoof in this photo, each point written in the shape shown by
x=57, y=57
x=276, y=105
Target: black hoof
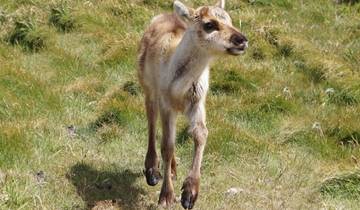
x=152, y=176
x=187, y=199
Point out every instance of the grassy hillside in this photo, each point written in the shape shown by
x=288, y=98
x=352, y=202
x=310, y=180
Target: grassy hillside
x=284, y=119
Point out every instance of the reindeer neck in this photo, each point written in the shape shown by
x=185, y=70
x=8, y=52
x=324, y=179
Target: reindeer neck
x=188, y=63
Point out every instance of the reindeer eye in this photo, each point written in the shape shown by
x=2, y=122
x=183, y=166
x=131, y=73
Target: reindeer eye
x=210, y=27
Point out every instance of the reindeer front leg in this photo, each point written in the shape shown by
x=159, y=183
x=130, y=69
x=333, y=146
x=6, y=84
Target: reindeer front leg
x=168, y=120
x=190, y=188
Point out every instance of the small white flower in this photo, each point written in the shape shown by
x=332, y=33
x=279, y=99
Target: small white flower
x=4, y=196
x=233, y=191
x=330, y=91
x=88, y=3
x=316, y=125
x=287, y=92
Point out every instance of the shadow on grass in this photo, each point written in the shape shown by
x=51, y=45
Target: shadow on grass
x=104, y=188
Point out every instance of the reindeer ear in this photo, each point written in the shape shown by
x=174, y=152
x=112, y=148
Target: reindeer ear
x=221, y=4
x=184, y=12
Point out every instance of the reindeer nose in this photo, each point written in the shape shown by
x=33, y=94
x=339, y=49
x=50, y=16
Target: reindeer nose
x=238, y=39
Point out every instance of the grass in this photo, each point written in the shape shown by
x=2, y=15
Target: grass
x=61, y=18
x=283, y=119
x=27, y=35
x=346, y=186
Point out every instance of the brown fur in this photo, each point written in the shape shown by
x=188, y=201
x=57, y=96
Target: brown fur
x=165, y=25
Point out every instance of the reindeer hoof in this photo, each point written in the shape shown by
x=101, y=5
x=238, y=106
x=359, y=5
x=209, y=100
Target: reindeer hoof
x=167, y=198
x=187, y=200
x=189, y=193
x=152, y=176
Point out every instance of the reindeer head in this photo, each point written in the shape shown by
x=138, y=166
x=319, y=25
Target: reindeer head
x=212, y=28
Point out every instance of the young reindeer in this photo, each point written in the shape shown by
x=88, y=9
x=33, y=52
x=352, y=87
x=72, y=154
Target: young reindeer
x=174, y=57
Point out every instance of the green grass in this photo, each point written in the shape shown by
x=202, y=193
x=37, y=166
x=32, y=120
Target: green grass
x=71, y=107
x=61, y=18
x=27, y=34
x=15, y=147
x=345, y=186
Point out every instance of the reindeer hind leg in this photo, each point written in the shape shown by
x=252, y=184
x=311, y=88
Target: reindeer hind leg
x=151, y=171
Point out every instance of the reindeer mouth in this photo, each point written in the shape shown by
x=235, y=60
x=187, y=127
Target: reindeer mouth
x=237, y=50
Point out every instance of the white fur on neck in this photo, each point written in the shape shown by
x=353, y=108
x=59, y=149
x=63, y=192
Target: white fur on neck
x=198, y=65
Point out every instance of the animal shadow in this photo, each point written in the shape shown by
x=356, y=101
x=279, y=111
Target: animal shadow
x=114, y=188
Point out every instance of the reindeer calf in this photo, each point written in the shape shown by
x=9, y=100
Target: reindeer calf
x=174, y=57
